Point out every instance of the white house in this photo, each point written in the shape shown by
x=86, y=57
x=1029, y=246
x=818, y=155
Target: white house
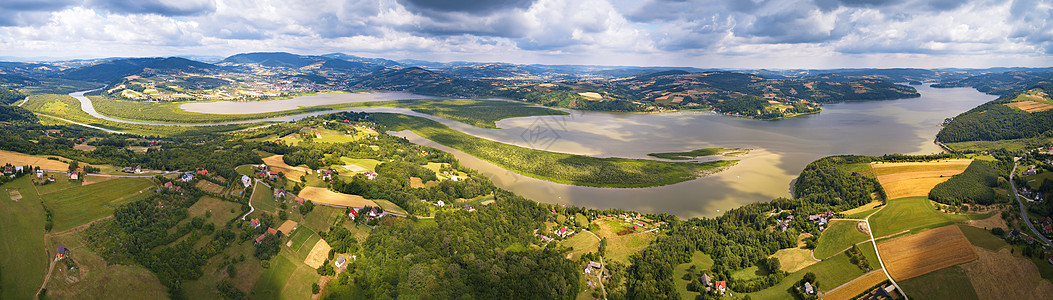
x=245, y=180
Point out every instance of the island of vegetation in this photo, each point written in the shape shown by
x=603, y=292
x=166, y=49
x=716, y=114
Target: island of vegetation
x=699, y=153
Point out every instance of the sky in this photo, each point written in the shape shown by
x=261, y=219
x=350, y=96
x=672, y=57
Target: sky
x=776, y=34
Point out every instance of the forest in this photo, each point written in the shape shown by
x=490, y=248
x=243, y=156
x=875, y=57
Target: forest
x=826, y=182
x=972, y=186
x=8, y=96
x=995, y=121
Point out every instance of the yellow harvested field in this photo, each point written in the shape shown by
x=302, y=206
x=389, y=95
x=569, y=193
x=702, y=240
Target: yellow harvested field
x=318, y=255
x=914, y=179
x=287, y=227
x=89, y=179
x=292, y=173
x=1030, y=106
x=591, y=95
x=416, y=182
x=354, y=168
x=19, y=159
x=994, y=221
x=84, y=147
x=1002, y=275
x=857, y=286
x=325, y=196
x=915, y=255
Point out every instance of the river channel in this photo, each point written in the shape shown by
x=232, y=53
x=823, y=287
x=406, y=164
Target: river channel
x=779, y=149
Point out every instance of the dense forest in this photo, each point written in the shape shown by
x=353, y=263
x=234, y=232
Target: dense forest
x=971, y=186
x=994, y=121
x=10, y=96
x=16, y=114
x=827, y=182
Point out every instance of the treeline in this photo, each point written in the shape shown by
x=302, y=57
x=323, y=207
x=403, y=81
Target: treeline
x=462, y=257
x=10, y=96
x=17, y=114
x=826, y=182
x=971, y=186
x=994, y=121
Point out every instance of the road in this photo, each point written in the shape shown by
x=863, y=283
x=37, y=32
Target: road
x=870, y=231
x=1023, y=211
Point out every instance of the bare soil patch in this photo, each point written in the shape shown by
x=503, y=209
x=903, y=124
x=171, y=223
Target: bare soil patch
x=992, y=222
x=318, y=254
x=1001, y=275
x=915, y=255
x=15, y=195
x=84, y=147
x=208, y=186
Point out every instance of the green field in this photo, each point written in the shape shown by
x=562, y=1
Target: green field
x=24, y=261
x=695, y=153
x=701, y=261
x=1010, y=145
x=220, y=210
x=273, y=280
x=79, y=205
x=828, y=273
x=948, y=283
x=871, y=254
x=367, y=163
x=479, y=113
x=840, y=236
x=580, y=243
x=914, y=214
x=263, y=198
x=66, y=107
x=983, y=238
x=552, y=166
x=1035, y=181
x=388, y=206
x=750, y=273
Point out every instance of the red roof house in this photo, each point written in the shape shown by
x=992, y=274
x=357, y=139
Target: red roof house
x=202, y=172
x=272, y=231
x=260, y=238
x=299, y=200
x=255, y=222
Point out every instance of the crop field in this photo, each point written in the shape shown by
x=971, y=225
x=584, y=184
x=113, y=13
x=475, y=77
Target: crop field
x=1030, y=106
x=948, y=284
x=915, y=255
x=840, y=236
x=794, y=259
x=1004, y=275
x=325, y=196
x=620, y=247
x=366, y=163
x=912, y=179
x=861, y=284
x=553, y=166
x=913, y=214
x=318, y=254
x=277, y=164
x=79, y=205
x=19, y=159
x=22, y=232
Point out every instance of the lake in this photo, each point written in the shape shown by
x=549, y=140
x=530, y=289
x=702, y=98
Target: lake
x=780, y=149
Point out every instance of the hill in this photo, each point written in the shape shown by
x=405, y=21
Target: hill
x=421, y=81
x=1002, y=83
x=113, y=70
x=996, y=120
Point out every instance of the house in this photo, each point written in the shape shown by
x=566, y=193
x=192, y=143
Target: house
x=352, y=213
x=272, y=231
x=562, y=232
x=202, y=172
x=340, y=261
x=187, y=177
x=706, y=281
x=168, y=185
x=808, y=289
x=469, y=208
x=246, y=181
x=40, y=173
x=299, y=200
x=593, y=267
x=326, y=175
x=375, y=212
x=260, y=238
x=61, y=253
x=74, y=176
x=545, y=238
x=1047, y=228
x=273, y=175
x=255, y=222
x=455, y=178
x=371, y=175
x=440, y=203
x=19, y=170
x=8, y=170
x=279, y=193
x=722, y=286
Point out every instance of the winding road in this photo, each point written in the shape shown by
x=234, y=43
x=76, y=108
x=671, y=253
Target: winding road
x=1023, y=210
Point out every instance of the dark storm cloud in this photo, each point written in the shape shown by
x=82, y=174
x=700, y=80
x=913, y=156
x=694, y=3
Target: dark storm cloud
x=158, y=7
x=476, y=7
x=29, y=12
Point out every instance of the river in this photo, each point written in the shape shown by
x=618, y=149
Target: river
x=779, y=149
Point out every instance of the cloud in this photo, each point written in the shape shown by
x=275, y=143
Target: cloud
x=473, y=7
x=158, y=7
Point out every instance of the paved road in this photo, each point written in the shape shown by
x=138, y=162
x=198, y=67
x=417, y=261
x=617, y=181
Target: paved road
x=1023, y=211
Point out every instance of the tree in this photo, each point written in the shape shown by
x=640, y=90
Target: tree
x=307, y=207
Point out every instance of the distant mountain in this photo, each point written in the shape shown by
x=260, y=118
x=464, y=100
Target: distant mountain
x=1002, y=83
x=349, y=66
x=352, y=58
x=274, y=59
x=27, y=69
x=421, y=81
x=114, y=70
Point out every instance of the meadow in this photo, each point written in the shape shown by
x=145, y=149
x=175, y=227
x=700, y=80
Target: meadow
x=829, y=274
x=839, y=236
x=79, y=205
x=22, y=232
x=553, y=166
x=949, y=283
x=701, y=262
x=66, y=107
x=913, y=214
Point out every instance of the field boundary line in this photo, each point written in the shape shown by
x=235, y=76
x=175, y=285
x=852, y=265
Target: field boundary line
x=850, y=281
x=882, y=263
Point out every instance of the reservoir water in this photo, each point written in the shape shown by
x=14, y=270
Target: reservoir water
x=779, y=149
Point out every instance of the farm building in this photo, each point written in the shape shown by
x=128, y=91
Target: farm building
x=808, y=289
x=272, y=231
x=202, y=172
x=246, y=181
x=299, y=200
x=61, y=253
x=260, y=238
x=706, y=281
x=352, y=213
x=255, y=222
x=722, y=286
x=371, y=175
x=340, y=261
